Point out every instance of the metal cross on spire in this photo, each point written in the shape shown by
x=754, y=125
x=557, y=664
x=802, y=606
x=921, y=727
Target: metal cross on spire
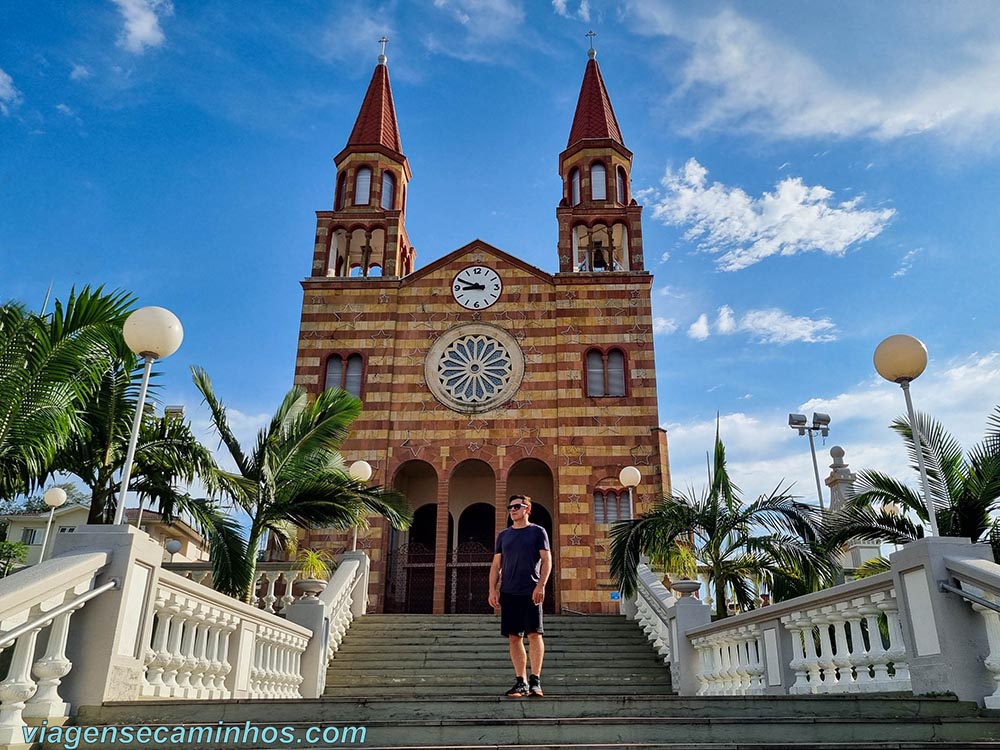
x=591, y=53
x=382, y=58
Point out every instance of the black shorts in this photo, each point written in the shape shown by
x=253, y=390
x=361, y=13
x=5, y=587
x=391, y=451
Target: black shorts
x=519, y=615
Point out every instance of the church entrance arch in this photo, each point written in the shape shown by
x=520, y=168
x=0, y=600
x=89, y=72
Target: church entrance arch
x=533, y=478
x=409, y=580
x=471, y=499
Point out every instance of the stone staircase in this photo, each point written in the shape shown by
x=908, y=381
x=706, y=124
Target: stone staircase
x=436, y=682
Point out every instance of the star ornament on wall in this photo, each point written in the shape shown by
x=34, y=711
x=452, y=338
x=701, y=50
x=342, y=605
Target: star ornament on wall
x=641, y=455
x=528, y=440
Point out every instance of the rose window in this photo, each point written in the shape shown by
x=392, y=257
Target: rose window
x=474, y=368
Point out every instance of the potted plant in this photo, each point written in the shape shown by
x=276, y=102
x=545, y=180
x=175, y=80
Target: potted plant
x=314, y=566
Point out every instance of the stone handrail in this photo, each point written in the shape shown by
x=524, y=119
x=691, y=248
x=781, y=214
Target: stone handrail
x=981, y=578
x=331, y=614
x=207, y=645
x=268, y=576
x=43, y=596
x=843, y=639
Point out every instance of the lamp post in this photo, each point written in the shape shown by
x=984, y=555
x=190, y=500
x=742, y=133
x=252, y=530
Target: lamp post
x=152, y=333
x=54, y=497
x=362, y=472
x=820, y=424
x=630, y=477
x=900, y=359
x=173, y=546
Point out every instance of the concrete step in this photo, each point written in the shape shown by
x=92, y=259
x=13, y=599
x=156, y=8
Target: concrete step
x=361, y=710
x=609, y=730
x=422, y=661
x=459, y=679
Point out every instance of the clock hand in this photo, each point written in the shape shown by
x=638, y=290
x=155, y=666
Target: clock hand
x=468, y=286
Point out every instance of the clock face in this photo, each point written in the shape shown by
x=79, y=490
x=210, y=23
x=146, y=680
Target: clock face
x=476, y=287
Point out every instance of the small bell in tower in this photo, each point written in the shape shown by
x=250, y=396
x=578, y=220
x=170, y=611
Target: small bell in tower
x=600, y=263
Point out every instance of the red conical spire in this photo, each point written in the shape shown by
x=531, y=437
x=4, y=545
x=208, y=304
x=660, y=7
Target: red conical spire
x=376, y=124
x=595, y=117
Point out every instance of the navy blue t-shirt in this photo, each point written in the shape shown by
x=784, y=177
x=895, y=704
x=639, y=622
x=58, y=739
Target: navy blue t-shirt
x=521, y=563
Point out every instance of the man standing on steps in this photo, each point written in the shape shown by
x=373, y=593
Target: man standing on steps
x=521, y=566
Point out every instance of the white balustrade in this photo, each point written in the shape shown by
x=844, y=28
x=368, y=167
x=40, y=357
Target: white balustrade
x=43, y=597
x=981, y=580
x=272, y=577
x=190, y=654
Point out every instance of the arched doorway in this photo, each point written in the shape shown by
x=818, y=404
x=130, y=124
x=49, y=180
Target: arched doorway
x=533, y=478
x=409, y=580
x=472, y=499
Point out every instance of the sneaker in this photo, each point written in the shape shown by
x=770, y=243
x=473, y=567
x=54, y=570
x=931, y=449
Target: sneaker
x=519, y=690
x=535, y=686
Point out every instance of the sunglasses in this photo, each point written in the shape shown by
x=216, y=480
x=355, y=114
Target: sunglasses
x=516, y=506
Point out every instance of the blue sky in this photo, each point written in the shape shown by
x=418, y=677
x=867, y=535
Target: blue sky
x=815, y=178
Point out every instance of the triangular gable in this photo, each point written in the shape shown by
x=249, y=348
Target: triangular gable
x=476, y=245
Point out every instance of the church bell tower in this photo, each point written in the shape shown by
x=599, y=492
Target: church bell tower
x=600, y=223
x=365, y=234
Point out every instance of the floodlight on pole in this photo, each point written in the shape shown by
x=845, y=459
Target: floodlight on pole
x=54, y=497
x=630, y=477
x=820, y=424
x=901, y=359
x=360, y=471
x=153, y=333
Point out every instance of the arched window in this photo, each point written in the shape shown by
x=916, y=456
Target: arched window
x=574, y=187
x=595, y=373
x=598, y=182
x=622, y=192
x=616, y=373
x=363, y=187
x=611, y=506
x=341, y=197
x=605, y=373
x=345, y=375
x=388, y=190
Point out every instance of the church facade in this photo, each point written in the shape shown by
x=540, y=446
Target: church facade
x=483, y=376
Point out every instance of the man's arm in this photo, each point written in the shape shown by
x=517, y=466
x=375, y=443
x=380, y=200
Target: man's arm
x=538, y=595
x=495, y=582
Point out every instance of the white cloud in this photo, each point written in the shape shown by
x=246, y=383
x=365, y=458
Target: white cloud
x=583, y=12
x=746, y=76
x=142, y=23
x=699, y=329
x=725, y=322
x=777, y=327
x=761, y=449
x=795, y=218
x=768, y=326
x=66, y=110
x=906, y=263
x=484, y=18
x=665, y=257
x=9, y=95
x=80, y=72
x=664, y=325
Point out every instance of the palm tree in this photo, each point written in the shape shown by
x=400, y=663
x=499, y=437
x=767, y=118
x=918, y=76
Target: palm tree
x=167, y=452
x=965, y=489
x=294, y=473
x=728, y=540
x=50, y=366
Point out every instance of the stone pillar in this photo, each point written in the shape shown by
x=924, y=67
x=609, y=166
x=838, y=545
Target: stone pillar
x=111, y=633
x=944, y=636
x=686, y=613
x=841, y=484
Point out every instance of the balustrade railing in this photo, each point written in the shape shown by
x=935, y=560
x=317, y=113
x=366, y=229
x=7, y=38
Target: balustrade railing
x=982, y=579
x=274, y=587
x=844, y=639
x=42, y=597
x=200, y=635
